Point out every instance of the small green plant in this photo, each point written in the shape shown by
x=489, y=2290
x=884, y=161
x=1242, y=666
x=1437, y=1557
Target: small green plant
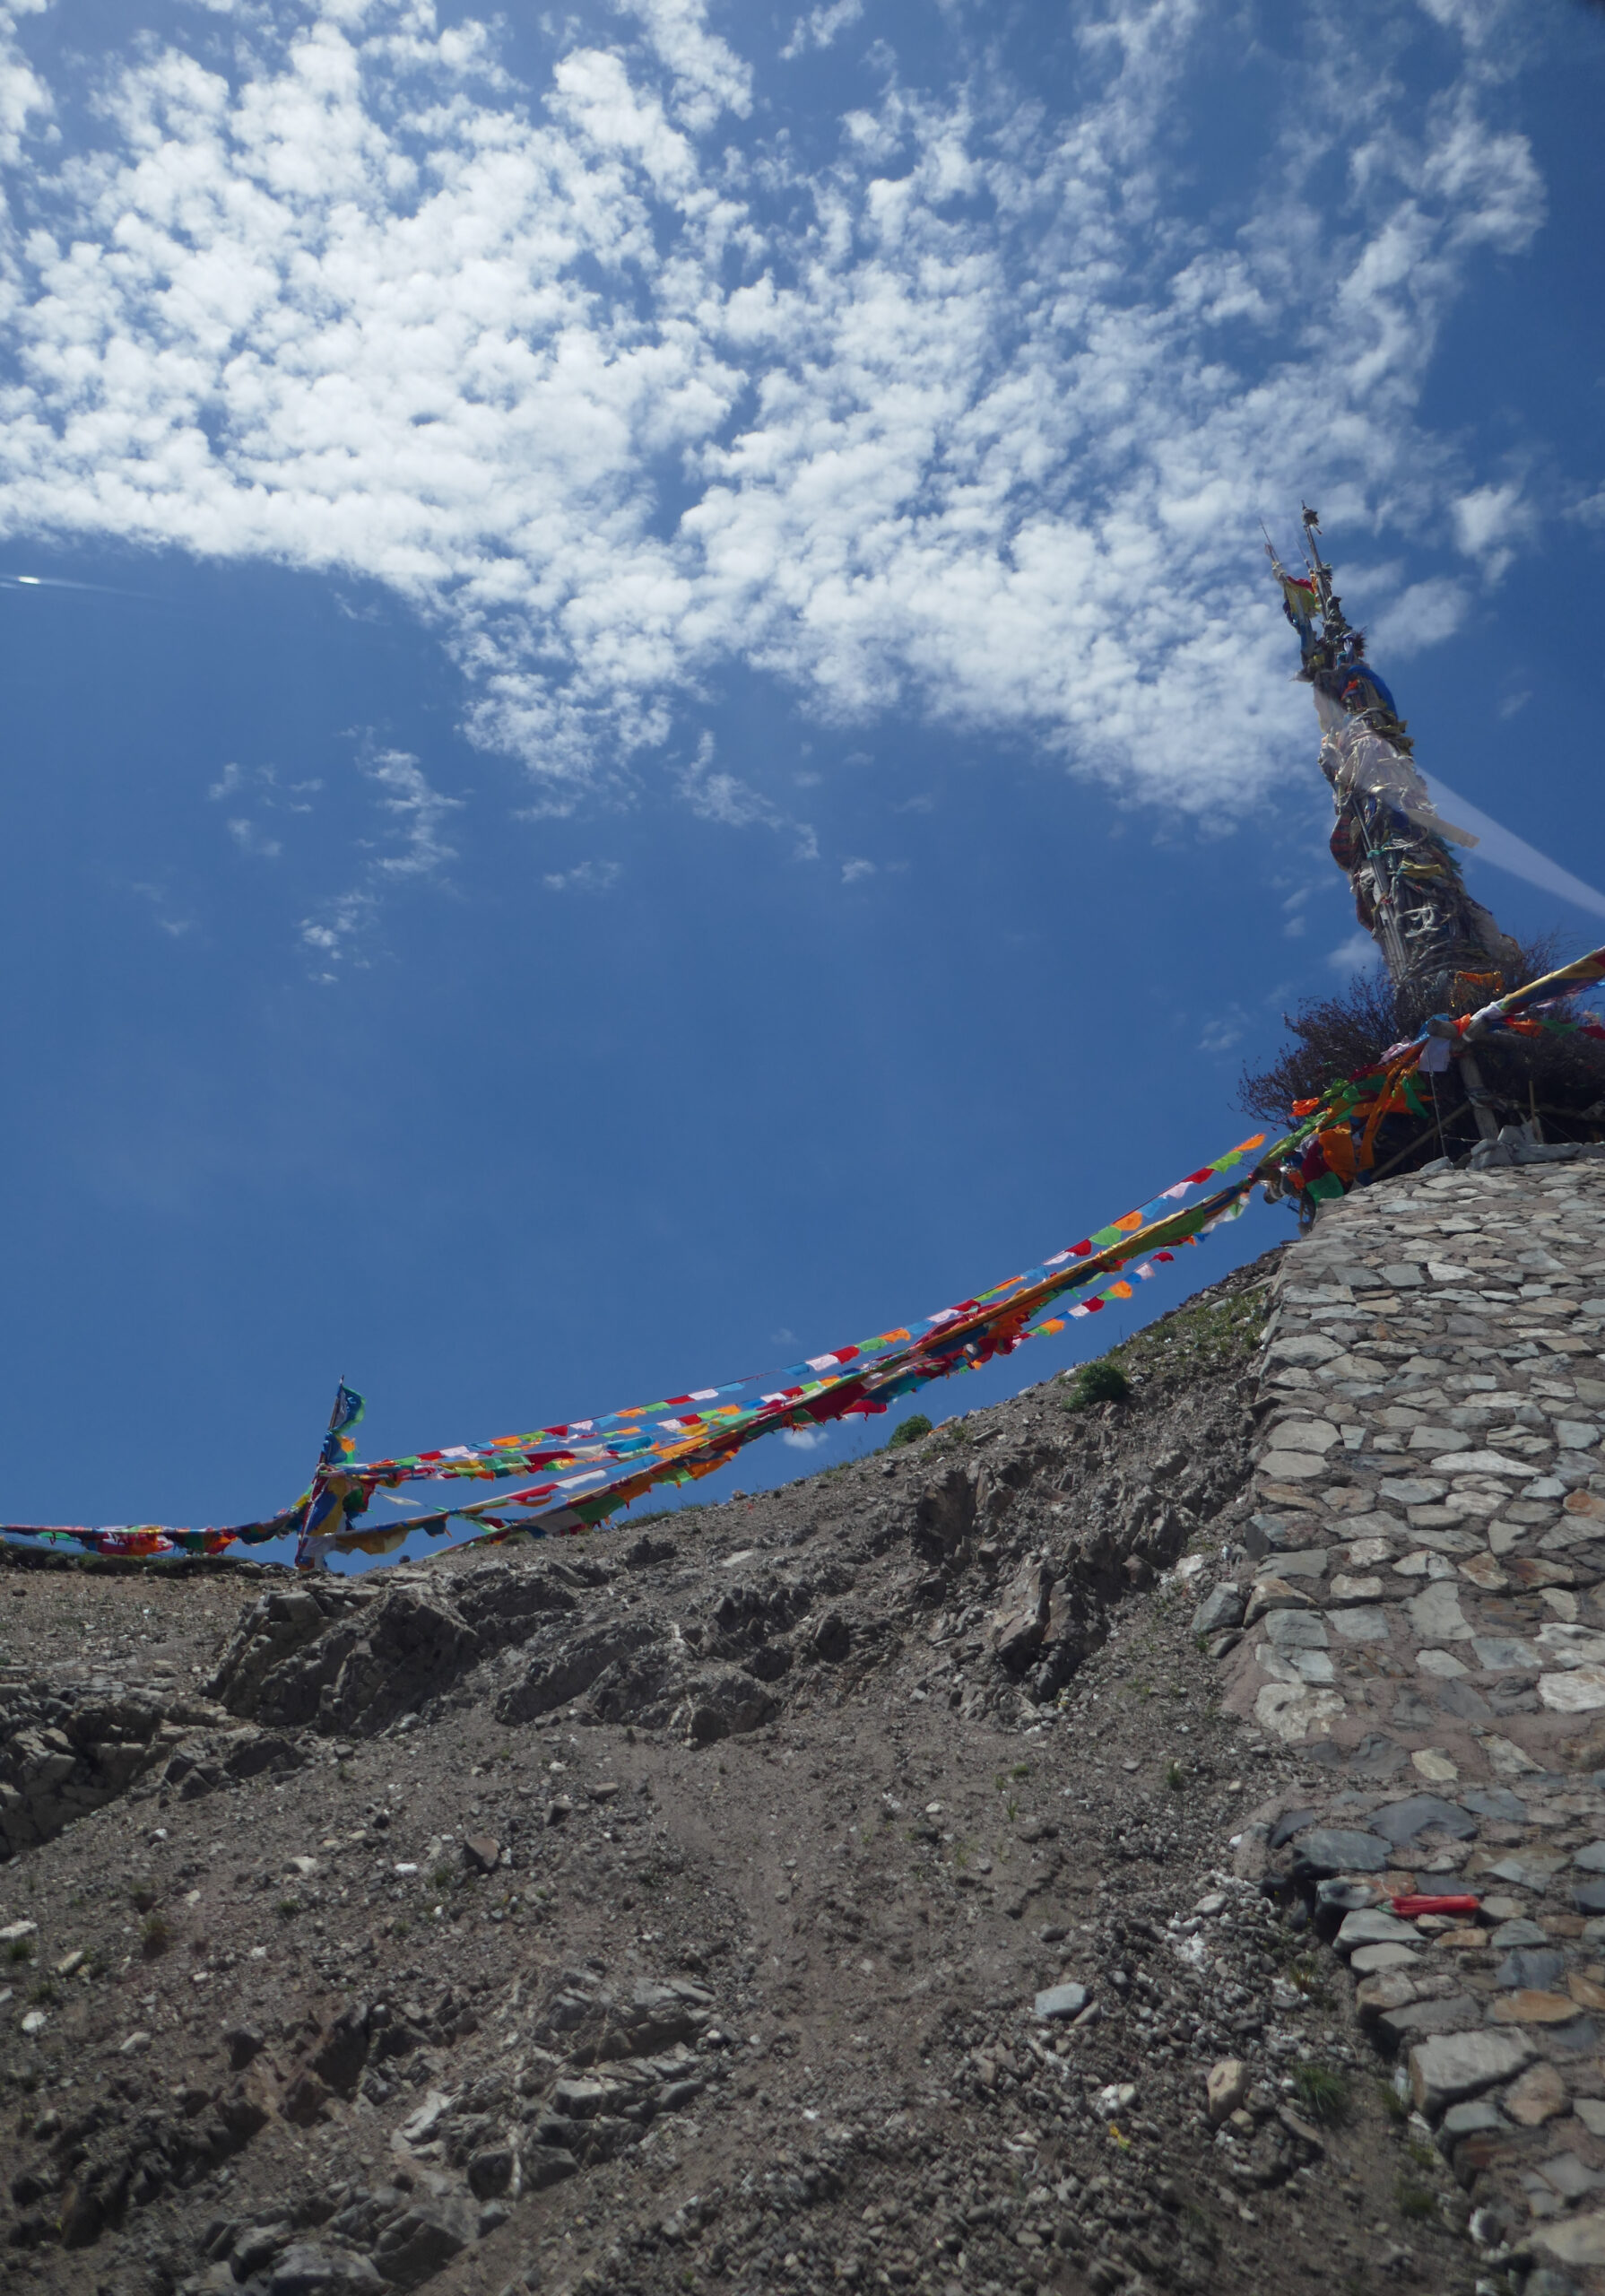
x=1020, y=1769
x=288, y=1909
x=21, y=1949
x=909, y=1431
x=1012, y=1807
x=444, y=1875
x=1100, y=1381
x=46, y=1992
x=1175, y=1776
x=1306, y=1975
x=1323, y=2091
x=155, y=1937
x=1421, y=2154
x=1393, y=2103
x=1414, y=2200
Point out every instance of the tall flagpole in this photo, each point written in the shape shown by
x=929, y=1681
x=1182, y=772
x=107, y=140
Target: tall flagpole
x=305, y=1559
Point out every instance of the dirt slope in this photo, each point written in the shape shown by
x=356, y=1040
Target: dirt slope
x=670, y=1911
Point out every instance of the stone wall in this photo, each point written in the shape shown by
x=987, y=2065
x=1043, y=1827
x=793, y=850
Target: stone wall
x=1417, y=1608
x=1429, y=1489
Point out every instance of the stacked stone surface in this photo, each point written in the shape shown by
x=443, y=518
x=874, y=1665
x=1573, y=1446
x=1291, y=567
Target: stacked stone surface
x=1424, y=1620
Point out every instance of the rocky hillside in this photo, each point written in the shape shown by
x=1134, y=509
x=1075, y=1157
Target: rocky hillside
x=900, y=1880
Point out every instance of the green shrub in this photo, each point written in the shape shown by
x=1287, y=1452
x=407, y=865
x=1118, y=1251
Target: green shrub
x=1323, y=2091
x=909, y=1431
x=1099, y=1382
x=155, y=1937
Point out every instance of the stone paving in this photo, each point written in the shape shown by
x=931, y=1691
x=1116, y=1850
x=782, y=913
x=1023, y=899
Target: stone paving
x=1417, y=1606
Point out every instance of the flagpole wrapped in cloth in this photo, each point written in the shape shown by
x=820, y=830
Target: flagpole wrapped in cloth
x=335, y=1500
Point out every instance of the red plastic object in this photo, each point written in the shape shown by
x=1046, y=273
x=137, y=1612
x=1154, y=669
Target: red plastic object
x=1409, y=1908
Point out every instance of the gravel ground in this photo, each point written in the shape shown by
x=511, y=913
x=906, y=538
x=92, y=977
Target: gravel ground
x=856, y=1885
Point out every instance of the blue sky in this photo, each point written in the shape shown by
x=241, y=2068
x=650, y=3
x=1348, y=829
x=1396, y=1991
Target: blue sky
x=647, y=730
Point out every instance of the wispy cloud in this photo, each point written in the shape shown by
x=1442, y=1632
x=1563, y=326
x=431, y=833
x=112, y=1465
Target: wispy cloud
x=250, y=839
x=260, y=786
x=337, y=931
x=409, y=847
x=585, y=877
x=968, y=420
x=418, y=811
x=854, y=873
x=1352, y=954
x=175, y=927
x=819, y=27
x=724, y=797
x=1221, y=1034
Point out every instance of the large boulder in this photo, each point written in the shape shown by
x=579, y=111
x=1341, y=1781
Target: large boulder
x=352, y=1657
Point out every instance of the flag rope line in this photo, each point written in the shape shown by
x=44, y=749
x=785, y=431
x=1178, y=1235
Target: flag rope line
x=586, y=1470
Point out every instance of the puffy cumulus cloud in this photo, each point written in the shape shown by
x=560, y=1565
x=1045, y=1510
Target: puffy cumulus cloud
x=972, y=419
x=25, y=104
x=1488, y=522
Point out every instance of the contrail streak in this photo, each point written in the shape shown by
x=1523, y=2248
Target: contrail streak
x=1509, y=852
x=59, y=582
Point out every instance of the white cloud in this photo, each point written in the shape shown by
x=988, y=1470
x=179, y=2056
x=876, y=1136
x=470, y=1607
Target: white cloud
x=1487, y=522
x=250, y=839
x=336, y=932
x=24, y=95
x=854, y=873
x=1422, y=614
x=708, y=76
x=418, y=811
x=585, y=877
x=1359, y=949
x=412, y=848
x=725, y=799
x=971, y=421
x=175, y=927
x=819, y=27
x=805, y=1439
x=1220, y=1035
